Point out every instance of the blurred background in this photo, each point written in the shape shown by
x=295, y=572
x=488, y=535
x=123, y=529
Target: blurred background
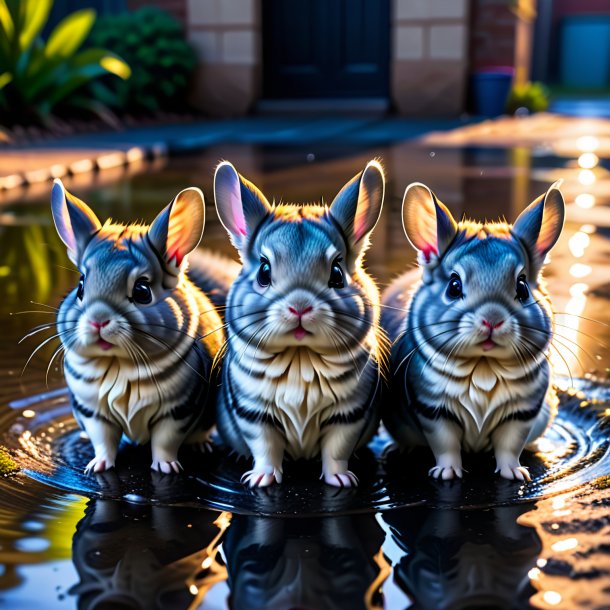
x=234, y=57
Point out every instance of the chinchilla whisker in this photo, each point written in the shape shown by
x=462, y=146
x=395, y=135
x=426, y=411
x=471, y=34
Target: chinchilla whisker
x=338, y=342
x=458, y=345
x=551, y=346
x=260, y=326
x=562, y=340
x=39, y=329
x=221, y=308
x=170, y=328
x=574, y=315
x=414, y=328
x=420, y=346
x=61, y=350
x=55, y=353
x=264, y=335
x=68, y=269
x=29, y=311
x=345, y=344
x=582, y=332
x=169, y=347
x=41, y=345
x=147, y=365
x=437, y=351
x=45, y=305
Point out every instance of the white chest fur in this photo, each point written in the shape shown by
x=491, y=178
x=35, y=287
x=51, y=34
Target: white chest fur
x=482, y=392
x=120, y=392
x=300, y=388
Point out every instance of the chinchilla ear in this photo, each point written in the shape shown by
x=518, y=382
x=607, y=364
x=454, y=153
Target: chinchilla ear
x=74, y=220
x=357, y=206
x=540, y=224
x=239, y=203
x=427, y=222
x=178, y=228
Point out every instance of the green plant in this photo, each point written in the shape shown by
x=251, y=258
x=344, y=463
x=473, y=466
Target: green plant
x=151, y=41
x=532, y=96
x=38, y=77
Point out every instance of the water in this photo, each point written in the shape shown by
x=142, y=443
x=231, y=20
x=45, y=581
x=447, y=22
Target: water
x=132, y=539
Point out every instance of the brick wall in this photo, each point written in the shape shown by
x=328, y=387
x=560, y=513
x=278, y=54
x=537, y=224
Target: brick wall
x=493, y=30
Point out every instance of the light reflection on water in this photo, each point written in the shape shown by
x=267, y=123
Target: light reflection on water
x=433, y=555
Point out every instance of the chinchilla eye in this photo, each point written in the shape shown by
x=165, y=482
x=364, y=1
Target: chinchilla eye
x=523, y=291
x=80, y=291
x=336, y=279
x=454, y=289
x=264, y=273
x=141, y=292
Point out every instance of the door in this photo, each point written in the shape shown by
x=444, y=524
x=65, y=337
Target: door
x=326, y=48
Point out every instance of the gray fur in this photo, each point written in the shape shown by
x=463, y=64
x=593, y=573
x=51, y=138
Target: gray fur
x=142, y=369
x=458, y=382
x=285, y=392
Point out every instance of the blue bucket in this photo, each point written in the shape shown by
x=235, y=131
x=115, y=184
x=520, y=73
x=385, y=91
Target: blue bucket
x=490, y=90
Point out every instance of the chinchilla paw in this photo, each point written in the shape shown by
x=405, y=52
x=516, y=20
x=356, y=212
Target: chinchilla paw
x=167, y=467
x=446, y=473
x=341, y=479
x=262, y=477
x=514, y=472
x=98, y=464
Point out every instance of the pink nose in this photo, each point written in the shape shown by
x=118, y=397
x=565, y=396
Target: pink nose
x=493, y=326
x=296, y=312
x=99, y=325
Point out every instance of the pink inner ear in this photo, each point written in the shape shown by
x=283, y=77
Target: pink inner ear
x=428, y=251
x=359, y=225
x=177, y=256
x=239, y=222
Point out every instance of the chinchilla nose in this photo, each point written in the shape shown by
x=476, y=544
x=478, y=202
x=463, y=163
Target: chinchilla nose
x=98, y=325
x=493, y=324
x=300, y=312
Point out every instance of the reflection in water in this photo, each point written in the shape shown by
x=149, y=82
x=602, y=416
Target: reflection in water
x=145, y=557
x=464, y=559
x=167, y=558
x=310, y=564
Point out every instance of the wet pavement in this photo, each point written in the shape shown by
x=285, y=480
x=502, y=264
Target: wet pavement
x=411, y=543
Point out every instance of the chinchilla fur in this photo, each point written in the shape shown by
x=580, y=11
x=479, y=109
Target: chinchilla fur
x=302, y=368
x=471, y=331
x=140, y=337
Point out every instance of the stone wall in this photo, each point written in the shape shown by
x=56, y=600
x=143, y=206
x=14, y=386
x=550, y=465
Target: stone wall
x=429, y=56
x=227, y=37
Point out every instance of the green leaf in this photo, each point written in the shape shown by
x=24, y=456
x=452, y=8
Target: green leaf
x=109, y=61
x=6, y=21
x=35, y=14
x=70, y=33
x=5, y=79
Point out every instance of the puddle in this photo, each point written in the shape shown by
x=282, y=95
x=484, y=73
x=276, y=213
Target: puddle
x=136, y=539
x=47, y=446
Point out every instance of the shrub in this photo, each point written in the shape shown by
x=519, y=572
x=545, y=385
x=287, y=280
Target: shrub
x=532, y=96
x=38, y=78
x=153, y=43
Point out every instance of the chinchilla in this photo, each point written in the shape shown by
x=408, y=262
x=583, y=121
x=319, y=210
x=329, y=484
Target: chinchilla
x=139, y=336
x=469, y=362
x=302, y=368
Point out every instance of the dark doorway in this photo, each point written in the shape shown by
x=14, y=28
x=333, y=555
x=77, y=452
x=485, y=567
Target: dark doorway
x=326, y=48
